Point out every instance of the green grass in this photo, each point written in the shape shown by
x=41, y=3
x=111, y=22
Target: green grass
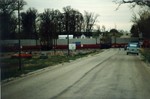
x=10, y=65
x=146, y=54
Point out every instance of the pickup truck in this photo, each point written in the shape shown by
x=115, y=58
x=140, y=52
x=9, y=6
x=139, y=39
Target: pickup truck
x=133, y=48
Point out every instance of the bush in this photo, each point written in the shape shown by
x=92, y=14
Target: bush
x=146, y=54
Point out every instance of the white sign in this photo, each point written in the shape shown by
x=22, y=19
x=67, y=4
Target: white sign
x=72, y=46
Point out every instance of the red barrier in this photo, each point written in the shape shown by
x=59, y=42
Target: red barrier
x=118, y=45
x=31, y=48
x=146, y=44
x=82, y=46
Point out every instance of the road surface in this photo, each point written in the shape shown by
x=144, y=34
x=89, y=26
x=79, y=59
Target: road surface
x=108, y=75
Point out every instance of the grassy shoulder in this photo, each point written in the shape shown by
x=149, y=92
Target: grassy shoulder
x=9, y=66
x=145, y=54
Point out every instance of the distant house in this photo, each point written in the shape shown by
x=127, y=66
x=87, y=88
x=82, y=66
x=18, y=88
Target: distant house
x=82, y=36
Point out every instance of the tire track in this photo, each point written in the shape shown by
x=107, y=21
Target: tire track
x=69, y=87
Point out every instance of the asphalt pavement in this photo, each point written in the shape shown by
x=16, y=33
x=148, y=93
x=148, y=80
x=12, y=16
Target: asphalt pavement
x=110, y=74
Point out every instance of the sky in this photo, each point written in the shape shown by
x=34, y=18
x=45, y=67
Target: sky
x=106, y=9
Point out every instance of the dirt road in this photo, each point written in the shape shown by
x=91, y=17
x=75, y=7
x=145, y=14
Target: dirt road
x=108, y=75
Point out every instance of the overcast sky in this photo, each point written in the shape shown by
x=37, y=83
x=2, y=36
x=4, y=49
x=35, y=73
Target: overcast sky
x=109, y=17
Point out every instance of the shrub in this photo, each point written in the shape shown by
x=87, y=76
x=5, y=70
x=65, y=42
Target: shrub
x=146, y=54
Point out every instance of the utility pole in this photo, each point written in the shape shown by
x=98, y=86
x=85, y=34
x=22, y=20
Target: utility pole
x=67, y=32
x=115, y=39
x=20, y=67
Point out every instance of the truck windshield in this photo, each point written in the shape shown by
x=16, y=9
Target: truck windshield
x=133, y=45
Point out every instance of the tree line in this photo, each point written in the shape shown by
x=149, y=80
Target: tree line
x=47, y=25
x=44, y=25
x=141, y=21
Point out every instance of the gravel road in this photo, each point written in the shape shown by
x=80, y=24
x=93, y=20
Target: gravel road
x=108, y=75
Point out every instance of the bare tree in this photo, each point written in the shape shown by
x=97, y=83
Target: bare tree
x=103, y=28
x=133, y=2
x=9, y=6
x=89, y=21
x=74, y=19
x=141, y=23
x=8, y=20
x=134, y=30
x=29, y=23
x=50, y=25
x=144, y=23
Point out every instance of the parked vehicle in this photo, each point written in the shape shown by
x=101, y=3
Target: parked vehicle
x=133, y=48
